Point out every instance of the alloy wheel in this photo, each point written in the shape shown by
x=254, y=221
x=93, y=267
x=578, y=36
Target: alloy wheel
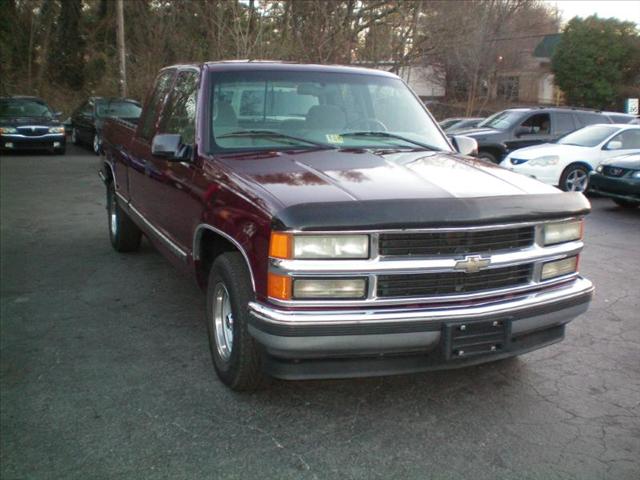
x=223, y=321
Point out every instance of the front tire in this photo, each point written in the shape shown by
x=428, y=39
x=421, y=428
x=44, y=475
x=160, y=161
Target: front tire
x=574, y=178
x=125, y=235
x=235, y=354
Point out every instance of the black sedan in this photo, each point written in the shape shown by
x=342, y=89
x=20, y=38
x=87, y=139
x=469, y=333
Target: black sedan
x=619, y=179
x=28, y=123
x=88, y=118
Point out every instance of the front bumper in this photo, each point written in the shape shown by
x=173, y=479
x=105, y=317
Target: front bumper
x=347, y=343
x=622, y=188
x=16, y=142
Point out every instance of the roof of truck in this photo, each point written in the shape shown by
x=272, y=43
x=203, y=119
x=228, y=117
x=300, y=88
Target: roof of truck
x=238, y=65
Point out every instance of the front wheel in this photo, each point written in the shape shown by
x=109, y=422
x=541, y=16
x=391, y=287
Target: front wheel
x=235, y=354
x=125, y=235
x=575, y=178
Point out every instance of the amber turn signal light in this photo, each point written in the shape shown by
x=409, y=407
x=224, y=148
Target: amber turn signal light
x=280, y=245
x=279, y=286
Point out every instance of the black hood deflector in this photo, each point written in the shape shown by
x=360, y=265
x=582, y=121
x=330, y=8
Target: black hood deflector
x=426, y=213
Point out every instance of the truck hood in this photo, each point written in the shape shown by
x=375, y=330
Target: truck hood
x=360, y=175
x=21, y=121
x=363, y=179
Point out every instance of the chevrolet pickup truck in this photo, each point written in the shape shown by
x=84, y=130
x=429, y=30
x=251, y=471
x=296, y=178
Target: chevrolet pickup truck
x=335, y=229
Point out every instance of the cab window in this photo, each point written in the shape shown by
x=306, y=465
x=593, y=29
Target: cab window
x=154, y=105
x=564, y=123
x=629, y=139
x=179, y=115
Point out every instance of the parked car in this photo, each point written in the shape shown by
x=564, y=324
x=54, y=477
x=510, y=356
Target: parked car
x=28, y=123
x=87, y=120
x=516, y=128
x=619, y=179
x=567, y=162
x=461, y=123
x=335, y=229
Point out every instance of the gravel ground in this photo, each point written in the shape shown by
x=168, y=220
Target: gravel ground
x=105, y=370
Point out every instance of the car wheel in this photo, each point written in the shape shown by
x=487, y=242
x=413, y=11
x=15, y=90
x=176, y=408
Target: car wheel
x=124, y=234
x=626, y=203
x=74, y=136
x=487, y=156
x=97, y=144
x=575, y=178
x=235, y=354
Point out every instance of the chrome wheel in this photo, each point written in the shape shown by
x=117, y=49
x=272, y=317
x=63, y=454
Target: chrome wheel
x=223, y=321
x=96, y=144
x=113, y=216
x=577, y=180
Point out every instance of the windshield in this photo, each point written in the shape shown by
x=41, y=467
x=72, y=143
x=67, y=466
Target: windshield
x=502, y=120
x=24, y=108
x=287, y=109
x=118, y=108
x=588, y=136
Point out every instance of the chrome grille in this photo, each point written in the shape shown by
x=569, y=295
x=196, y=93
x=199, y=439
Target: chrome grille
x=455, y=242
x=33, y=131
x=451, y=283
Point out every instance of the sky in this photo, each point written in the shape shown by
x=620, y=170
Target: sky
x=628, y=10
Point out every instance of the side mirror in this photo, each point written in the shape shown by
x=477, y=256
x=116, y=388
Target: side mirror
x=169, y=146
x=613, y=145
x=519, y=131
x=465, y=145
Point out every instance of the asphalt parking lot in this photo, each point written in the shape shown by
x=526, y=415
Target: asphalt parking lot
x=105, y=370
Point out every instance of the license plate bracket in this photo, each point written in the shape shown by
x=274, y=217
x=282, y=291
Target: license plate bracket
x=463, y=340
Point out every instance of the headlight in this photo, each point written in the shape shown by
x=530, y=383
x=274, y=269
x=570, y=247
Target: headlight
x=635, y=174
x=599, y=168
x=8, y=130
x=544, y=161
x=285, y=245
x=559, y=268
x=561, y=232
x=56, y=129
x=340, y=288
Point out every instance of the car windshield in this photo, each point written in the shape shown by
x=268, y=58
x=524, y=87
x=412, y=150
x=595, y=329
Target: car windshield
x=119, y=109
x=15, y=107
x=449, y=122
x=502, y=120
x=588, y=136
x=260, y=110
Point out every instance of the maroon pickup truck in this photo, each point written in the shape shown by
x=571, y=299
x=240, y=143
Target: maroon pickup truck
x=336, y=230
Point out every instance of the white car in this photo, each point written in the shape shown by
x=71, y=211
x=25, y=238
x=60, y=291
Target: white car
x=567, y=162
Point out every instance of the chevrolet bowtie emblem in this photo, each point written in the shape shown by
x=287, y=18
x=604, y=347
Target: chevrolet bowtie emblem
x=472, y=263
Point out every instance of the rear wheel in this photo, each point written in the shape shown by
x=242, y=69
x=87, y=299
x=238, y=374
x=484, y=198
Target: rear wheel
x=235, y=354
x=575, y=178
x=75, y=139
x=626, y=203
x=487, y=156
x=97, y=144
x=124, y=234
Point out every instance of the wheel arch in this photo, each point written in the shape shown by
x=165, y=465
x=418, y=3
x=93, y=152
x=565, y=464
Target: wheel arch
x=208, y=243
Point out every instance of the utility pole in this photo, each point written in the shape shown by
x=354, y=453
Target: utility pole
x=121, y=49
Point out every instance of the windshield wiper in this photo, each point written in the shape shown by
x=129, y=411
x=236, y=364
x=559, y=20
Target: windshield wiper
x=274, y=134
x=390, y=135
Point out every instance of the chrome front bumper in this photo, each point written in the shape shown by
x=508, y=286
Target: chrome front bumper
x=322, y=334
